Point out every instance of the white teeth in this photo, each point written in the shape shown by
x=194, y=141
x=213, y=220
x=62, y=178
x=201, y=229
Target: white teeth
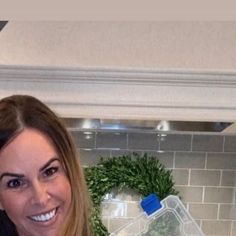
x=44, y=217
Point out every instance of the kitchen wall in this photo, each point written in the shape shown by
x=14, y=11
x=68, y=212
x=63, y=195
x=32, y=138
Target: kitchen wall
x=203, y=165
x=204, y=170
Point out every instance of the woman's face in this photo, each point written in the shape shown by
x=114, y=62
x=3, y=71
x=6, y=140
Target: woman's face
x=34, y=189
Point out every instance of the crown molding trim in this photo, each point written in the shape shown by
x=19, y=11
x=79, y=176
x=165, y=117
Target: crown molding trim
x=126, y=93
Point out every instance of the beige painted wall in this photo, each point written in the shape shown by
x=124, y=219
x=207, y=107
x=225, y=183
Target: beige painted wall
x=158, y=45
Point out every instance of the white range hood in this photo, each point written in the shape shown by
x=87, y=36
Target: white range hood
x=127, y=94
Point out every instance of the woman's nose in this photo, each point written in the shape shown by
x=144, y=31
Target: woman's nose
x=40, y=194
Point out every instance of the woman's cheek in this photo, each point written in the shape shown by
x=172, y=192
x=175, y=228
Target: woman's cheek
x=14, y=204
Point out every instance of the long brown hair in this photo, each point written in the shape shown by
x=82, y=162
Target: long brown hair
x=19, y=111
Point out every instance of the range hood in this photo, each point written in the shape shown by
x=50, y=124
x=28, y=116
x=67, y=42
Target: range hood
x=130, y=99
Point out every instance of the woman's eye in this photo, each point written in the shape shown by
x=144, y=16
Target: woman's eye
x=14, y=183
x=50, y=171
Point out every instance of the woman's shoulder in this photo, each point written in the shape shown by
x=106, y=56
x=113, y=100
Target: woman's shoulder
x=6, y=226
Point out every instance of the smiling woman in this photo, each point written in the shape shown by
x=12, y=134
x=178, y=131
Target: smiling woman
x=38, y=167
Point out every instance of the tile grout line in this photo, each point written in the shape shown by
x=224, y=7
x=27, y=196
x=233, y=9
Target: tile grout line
x=206, y=160
x=189, y=177
x=218, y=211
x=203, y=194
x=223, y=144
x=174, y=160
x=191, y=143
x=221, y=176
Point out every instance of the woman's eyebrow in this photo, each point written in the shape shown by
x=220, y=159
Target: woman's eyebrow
x=8, y=174
x=49, y=163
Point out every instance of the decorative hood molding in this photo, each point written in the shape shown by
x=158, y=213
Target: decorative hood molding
x=143, y=94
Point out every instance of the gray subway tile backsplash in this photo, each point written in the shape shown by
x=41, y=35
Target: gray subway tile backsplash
x=230, y=144
x=190, y=194
x=84, y=139
x=216, y=227
x=228, y=178
x=221, y=161
x=227, y=211
x=111, y=140
x=205, y=177
x=90, y=157
x=166, y=158
x=143, y=141
x=207, y=143
x=219, y=195
x=203, y=168
x=175, y=142
x=180, y=176
x=194, y=160
x=203, y=211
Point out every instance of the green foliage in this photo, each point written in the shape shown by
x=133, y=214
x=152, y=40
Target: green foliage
x=144, y=174
x=163, y=227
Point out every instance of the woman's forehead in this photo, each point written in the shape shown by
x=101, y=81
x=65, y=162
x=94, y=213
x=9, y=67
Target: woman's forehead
x=29, y=148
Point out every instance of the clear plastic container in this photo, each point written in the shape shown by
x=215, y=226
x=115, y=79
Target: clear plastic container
x=168, y=217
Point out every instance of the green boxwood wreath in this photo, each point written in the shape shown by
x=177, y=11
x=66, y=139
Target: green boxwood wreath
x=144, y=174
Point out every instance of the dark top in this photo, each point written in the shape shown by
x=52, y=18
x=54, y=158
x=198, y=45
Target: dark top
x=7, y=228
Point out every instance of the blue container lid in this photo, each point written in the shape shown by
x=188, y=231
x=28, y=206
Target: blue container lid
x=151, y=203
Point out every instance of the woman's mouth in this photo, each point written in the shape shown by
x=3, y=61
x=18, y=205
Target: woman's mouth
x=44, y=217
